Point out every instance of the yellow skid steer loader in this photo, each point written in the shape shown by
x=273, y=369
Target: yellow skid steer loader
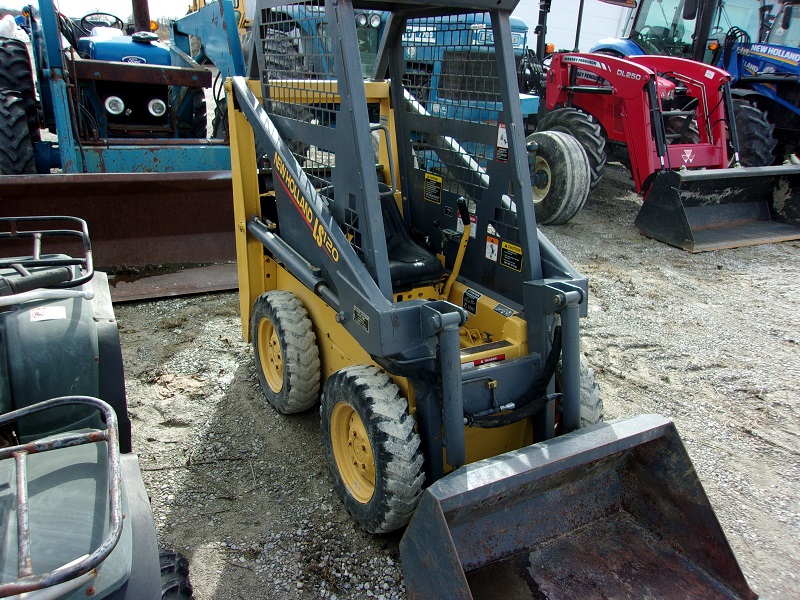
x=390, y=268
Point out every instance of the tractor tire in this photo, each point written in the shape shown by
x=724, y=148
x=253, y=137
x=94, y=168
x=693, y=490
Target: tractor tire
x=584, y=128
x=16, y=149
x=371, y=448
x=199, y=116
x=756, y=135
x=219, y=124
x=560, y=177
x=591, y=402
x=691, y=134
x=16, y=74
x=175, y=584
x=286, y=353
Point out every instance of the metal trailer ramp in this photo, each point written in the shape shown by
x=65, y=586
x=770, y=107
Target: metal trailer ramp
x=723, y=208
x=612, y=511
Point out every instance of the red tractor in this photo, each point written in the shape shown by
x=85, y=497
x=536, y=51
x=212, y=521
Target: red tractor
x=669, y=118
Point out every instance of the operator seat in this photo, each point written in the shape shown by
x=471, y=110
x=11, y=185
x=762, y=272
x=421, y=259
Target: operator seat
x=410, y=265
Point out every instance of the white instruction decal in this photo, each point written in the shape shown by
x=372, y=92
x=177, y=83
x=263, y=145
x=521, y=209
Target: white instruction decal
x=48, y=313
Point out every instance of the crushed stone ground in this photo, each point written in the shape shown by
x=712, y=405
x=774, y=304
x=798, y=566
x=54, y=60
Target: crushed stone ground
x=711, y=341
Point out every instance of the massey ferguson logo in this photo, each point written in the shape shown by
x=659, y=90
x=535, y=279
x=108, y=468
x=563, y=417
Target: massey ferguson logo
x=629, y=75
x=688, y=156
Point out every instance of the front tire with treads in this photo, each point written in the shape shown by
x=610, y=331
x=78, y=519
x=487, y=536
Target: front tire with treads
x=371, y=448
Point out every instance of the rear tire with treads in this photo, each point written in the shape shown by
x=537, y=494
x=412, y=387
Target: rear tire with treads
x=285, y=352
x=16, y=74
x=584, y=128
x=16, y=149
x=756, y=135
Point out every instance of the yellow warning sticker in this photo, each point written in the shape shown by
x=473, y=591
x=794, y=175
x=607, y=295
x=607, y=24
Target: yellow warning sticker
x=511, y=256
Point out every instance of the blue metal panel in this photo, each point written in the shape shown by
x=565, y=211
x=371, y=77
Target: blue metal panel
x=157, y=159
x=124, y=49
x=623, y=47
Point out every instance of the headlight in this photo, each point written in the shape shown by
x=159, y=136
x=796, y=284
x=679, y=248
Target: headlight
x=157, y=107
x=361, y=20
x=114, y=105
x=375, y=21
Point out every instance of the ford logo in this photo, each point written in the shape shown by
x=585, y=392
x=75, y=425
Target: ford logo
x=134, y=59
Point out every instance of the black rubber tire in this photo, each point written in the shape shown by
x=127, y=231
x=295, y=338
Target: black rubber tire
x=285, y=352
x=219, y=124
x=584, y=128
x=175, y=584
x=199, y=116
x=691, y=135
x=756, y=135
x=591, y=402
x=370, y=394
x=16, y=74
x=16, y=149
x=564, y=160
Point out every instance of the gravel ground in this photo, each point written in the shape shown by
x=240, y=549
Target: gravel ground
x=710, y=340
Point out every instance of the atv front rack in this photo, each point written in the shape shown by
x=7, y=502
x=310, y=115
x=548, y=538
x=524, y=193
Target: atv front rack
x=27, y=581
x=46, y=269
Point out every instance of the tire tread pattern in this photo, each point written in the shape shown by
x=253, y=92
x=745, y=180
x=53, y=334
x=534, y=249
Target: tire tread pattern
x=587, y=130
x=399, y=470
x=16, y=150
x=300, y=352
x=756, y=135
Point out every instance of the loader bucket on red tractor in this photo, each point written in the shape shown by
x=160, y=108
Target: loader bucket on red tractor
x=613, y=511
x=722, y=208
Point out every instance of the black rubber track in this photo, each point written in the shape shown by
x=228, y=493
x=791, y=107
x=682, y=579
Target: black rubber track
x=16, y=150
x=584, y=128
x=16, y=74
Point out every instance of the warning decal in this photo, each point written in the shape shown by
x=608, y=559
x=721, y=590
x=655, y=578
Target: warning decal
x=470, y=301
x=473, y=230
x=501, y=152
x=433, y=188
x=492, y=244
x=511, y=256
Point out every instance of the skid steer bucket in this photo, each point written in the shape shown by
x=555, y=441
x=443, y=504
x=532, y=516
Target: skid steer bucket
x=612, y=511
x=723, y=208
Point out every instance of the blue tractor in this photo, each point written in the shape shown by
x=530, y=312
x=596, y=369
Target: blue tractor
x=120, y=99
x=758, y=48
x=766, y=74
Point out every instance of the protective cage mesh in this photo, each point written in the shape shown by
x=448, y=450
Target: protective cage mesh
x=298, y=76
x=451, y=73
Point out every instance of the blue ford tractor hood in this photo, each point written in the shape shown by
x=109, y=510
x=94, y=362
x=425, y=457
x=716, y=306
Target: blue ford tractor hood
x=124, y=49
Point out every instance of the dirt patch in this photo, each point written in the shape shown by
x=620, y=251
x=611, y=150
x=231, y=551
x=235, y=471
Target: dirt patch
x=710, y=340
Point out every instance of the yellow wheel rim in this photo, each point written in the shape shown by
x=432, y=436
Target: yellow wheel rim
x=269, y=352
x=539, y=193
x=353, y=452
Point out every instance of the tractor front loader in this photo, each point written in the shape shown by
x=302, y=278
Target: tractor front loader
x=389, y=258
x=670, y=119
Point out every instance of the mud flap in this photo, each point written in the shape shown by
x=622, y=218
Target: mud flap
x=723, y=208
x=615, y=510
